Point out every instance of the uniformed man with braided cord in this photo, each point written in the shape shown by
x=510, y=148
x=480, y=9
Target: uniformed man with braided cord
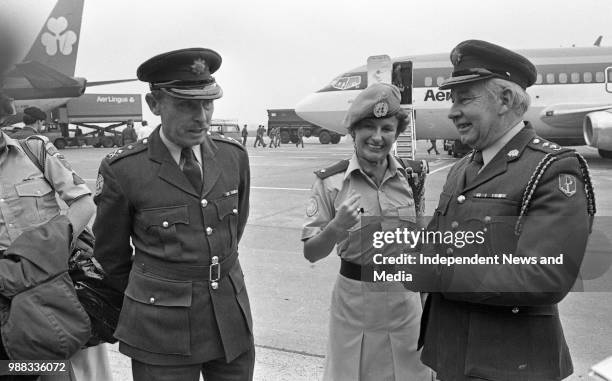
x=182, y=196
x=528, y=197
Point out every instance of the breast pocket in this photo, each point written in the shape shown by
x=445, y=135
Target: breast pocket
x=227, y=214
x=162, y=225
x=155, y=315
x=497, y=220
x=36, y=202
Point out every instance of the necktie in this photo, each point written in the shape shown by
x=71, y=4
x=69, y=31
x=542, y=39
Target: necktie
x=191, y=169
x=471, y=170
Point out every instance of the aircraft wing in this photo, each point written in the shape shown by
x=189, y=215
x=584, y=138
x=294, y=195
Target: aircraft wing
x=569, y=115
x=43, y=77
x=109, y=82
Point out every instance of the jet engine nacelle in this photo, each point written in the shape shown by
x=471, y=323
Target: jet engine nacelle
x=597, y=130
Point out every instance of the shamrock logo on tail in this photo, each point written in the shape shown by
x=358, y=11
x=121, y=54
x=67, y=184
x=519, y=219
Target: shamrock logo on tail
x=59, y=39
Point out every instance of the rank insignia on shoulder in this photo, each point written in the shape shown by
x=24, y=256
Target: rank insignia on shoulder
x=313, y=207
x=513, y=153
x=99, y=184
x=567, y=184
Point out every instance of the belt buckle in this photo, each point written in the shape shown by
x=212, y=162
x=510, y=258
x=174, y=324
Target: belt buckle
x=214, y=269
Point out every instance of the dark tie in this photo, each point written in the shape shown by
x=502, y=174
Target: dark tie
x=471, y=170
x=191, y=169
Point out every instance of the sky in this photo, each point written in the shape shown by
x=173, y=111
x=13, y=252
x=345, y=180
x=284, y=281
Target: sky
x=275, y=52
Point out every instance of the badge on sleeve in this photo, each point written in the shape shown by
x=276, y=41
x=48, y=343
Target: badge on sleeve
x=567, y=184
x=99, y=184
x=313, y=207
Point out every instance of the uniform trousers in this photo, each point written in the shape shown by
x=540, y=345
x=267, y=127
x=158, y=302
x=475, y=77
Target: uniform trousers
x=240, y=369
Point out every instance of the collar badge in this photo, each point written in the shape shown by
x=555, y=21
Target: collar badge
x=513, y=153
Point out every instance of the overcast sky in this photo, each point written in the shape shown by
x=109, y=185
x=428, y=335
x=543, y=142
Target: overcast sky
x=275, y=52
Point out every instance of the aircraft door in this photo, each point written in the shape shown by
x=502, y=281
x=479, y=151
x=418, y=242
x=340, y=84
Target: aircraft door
x=402, y=78
x=609, y=79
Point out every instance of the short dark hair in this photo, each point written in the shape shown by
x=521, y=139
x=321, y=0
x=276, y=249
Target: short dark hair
x=402, y=123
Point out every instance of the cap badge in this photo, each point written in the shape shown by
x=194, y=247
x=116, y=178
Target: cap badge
x=199, y=67
x=456, y=57
x=513, y=153
x=381, y=109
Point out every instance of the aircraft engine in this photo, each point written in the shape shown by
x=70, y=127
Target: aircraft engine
x=597, y=130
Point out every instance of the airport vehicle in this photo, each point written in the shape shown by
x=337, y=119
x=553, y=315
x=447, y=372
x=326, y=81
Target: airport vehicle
x=289, y=123
x=44, y=78
x=226, y=127
x=571, y=101
x=96, y=118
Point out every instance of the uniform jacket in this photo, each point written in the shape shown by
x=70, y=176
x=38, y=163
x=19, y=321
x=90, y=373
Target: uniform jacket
x=502, y=322
x=171, y=314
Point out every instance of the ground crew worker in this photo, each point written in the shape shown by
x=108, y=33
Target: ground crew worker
x=129, y=135
x=245, y=135
x=186, y=309
x=277, y=141
x=300, y=135
x=433, y=147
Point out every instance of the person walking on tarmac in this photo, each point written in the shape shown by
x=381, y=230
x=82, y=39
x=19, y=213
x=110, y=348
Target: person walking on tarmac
x=245, y=135
x=300, y=134
x=277, y=141
x=273, y=137
x=259, y=137
x=433, y=147
x=129, y=135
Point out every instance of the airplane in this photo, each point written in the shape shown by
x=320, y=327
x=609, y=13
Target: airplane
x=44, y=78
x=571, y=101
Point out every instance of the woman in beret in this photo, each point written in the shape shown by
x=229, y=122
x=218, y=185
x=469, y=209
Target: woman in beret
x=374, y=325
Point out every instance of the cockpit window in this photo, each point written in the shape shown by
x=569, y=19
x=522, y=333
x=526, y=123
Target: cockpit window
x=347, y=81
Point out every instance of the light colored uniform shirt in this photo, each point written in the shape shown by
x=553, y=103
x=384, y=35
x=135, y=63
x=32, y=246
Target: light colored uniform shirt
x=26, y=198
x=384, y=207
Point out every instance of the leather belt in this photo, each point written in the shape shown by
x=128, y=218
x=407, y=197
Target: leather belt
x=362, y=273
x=184, y=271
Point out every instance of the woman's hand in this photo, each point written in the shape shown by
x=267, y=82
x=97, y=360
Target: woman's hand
x=348, y=214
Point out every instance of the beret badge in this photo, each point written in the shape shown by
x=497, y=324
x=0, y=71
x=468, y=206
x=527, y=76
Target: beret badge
x=380, y=109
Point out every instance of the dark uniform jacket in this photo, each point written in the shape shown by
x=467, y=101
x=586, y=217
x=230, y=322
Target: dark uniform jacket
x=171, y=313
x=502, y=322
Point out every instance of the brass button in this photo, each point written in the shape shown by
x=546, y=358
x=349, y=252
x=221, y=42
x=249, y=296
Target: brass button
x=204, y=202
x=235, y=211
x=536, y=141
x=449, y=251
x=165, y=224
x=487, y=219
x=515, y=310
x=454, y=225
x=214, y=260
x=152, y=300
x=130, y=146
x=214, y=285
x=461, y=199
x=209, y=230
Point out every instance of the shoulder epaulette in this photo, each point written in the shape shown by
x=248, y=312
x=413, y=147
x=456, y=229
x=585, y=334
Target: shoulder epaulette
x=127, y=150
x=339, y=167
x=547, y=147
x=226, y=139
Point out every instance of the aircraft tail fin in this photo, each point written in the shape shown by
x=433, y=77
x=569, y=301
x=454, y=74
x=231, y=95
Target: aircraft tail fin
x=598, y=41
x=57, y=44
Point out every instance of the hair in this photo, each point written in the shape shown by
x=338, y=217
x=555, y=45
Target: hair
x=520, y=98
x=27, y=119
x=402, y=123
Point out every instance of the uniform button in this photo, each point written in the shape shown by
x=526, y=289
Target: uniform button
x=522, y=366
x=536, y=141
x=449, y=251
x=515, y=310
x=454, y=225
x=165, y=224
x=204, y=202
x=209, y=230
x=130, y=146
x=152, y=300
x=214, y=260
x=461, y=199
x=487, y=219
x=235, y=211
x=214, y=285
x=1, y=200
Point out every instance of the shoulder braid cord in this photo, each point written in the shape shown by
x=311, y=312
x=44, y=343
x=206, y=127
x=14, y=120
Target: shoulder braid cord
x=416, y=180
x=535, y=179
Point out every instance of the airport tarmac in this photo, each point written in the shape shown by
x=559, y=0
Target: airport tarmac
x=290, y=297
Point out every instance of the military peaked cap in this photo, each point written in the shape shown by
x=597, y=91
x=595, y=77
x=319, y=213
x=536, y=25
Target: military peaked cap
x=184, y=73
x=475, y=60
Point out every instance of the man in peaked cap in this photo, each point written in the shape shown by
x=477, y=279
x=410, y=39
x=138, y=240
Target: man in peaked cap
x=527, y=197
x=182, y=197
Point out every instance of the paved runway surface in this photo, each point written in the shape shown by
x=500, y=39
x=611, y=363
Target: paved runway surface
x=290, y=296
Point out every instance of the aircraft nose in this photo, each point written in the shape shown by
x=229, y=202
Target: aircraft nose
x=307, y=106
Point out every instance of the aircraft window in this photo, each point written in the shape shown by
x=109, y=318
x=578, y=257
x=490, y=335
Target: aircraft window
x=562, y=78
x=575, y=77
x=538, y=79
x=588, y=77
x=439, y=80
x=345, y=83
x=599, y=76
x=272, y=114
x=550, y=78
x=428, y=81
